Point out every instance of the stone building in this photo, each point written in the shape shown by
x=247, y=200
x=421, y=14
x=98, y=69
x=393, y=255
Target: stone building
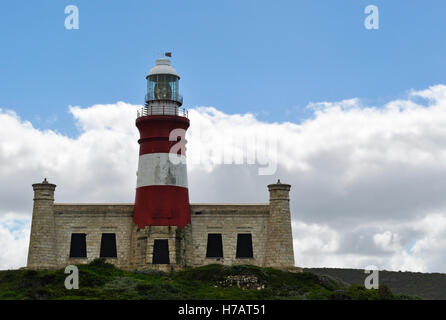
x=161, y=230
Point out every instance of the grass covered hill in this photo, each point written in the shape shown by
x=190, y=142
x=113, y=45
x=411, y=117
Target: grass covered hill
x=100, y=280
x=430, y=286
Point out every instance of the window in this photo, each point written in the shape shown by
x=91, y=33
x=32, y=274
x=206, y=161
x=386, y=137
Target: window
x=78, y=247
x=108, y=245
x=214, y=246
x=161, y=252
x=244, y=245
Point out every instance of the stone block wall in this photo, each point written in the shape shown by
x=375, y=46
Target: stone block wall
x=229, y=220
x=53, y=224
x=93, y=220
x=144, y=240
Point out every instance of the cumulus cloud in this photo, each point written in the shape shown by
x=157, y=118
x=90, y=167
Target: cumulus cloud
x=388, y=241
x=367, y=182
x=14, y=237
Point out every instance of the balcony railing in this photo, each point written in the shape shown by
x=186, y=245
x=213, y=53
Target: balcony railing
x=162, y=110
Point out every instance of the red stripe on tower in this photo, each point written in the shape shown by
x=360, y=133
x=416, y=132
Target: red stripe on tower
x=162, y=195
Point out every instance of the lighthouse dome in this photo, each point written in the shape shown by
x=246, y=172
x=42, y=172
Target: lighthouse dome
x=163, y=67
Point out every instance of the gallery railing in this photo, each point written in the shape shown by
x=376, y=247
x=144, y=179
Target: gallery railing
x=162, y=110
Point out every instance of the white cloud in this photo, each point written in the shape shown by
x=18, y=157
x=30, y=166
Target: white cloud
x=367, y=182
x=314, y=237
x=14, y=237
x=387, y=241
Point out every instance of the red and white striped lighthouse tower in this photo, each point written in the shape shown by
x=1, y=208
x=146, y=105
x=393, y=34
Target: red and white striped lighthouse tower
x=162, y=196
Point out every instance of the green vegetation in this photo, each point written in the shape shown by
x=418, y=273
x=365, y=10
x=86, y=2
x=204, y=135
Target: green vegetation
x=100, y=280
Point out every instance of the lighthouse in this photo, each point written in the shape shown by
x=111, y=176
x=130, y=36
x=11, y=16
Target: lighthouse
x=161, y=230
x=162, y=196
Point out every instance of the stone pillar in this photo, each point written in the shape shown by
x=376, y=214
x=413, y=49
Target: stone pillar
x=42, y=245
x=184, y=246
x=279, y=245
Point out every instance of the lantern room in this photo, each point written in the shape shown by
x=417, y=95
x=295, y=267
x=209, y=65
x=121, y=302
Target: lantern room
x=163, y=83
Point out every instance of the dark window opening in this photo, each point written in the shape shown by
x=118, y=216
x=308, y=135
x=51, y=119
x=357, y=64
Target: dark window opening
x=108, y=245
x=78, y=246
x=214, y=246
x=244, y=245
x=161, y=252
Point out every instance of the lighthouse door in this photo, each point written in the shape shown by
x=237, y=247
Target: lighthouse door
x=161, y=251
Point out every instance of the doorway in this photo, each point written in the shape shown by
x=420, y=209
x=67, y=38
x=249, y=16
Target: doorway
x=161, y=252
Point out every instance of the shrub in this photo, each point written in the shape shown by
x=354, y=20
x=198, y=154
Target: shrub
x=99, y=262
x=124, y=285
x=385, y=293
x=156, y=291
x=151, y=272
x=339, y=295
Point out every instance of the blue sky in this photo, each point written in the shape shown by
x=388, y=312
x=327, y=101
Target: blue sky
x=267, y=57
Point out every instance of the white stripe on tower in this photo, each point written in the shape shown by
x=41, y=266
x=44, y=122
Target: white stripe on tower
x=156, y=169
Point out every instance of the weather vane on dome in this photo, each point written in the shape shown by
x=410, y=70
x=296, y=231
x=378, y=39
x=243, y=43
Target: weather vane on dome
x=168, y=54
